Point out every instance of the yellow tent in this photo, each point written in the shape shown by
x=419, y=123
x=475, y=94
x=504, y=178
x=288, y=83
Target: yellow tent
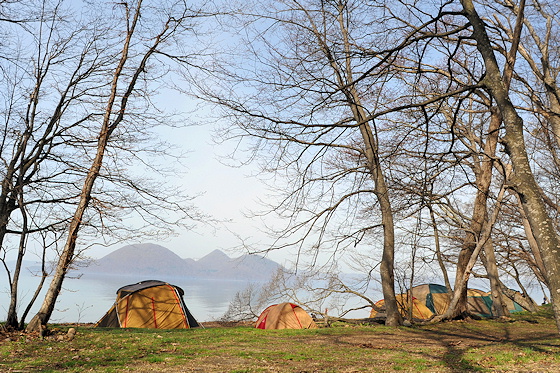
x=149, y=304
x=419, y=310
x=285, y=316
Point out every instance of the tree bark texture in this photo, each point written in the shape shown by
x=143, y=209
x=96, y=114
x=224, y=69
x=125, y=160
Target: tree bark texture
x=522, y=181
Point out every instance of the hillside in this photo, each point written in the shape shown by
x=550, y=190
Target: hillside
x=151, y=260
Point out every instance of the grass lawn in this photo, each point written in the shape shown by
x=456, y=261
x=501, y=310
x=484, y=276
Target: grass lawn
x=526, y=343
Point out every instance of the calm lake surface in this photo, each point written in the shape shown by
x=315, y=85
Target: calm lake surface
x=88, y=298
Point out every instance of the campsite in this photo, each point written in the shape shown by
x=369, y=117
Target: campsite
x=524, y=343
x=385, y=175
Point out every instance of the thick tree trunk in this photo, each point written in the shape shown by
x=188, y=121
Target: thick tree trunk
x=522, y=180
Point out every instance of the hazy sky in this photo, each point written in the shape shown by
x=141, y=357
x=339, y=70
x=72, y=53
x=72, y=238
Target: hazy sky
x=226, y=193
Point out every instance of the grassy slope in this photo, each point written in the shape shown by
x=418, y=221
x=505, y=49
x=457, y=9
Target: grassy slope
x=529, y=343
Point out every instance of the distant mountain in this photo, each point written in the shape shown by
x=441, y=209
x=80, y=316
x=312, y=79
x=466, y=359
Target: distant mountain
x=219, y=265
x=140, y=258
x=152, y=260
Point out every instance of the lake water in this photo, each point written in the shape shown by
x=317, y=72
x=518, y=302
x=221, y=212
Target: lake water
x=88, y=298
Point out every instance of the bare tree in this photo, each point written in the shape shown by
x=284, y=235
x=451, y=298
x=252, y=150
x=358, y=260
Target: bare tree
x=245, y=305
x=127, y=74
x=28, y=140
x=523, y=180
x=356, y=112
x=317, y=123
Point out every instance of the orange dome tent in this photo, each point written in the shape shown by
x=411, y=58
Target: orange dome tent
x=285, y=316
x=149, y=304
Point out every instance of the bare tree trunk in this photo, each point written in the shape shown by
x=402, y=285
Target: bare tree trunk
x=461, y=286
x=346, y=84
x=486, y=169
x=480, y=214
x=522, y=180
x=12, y=320
x=67, y=255
x=545, y=72
x=489, y=260
x=438, y=249
x=29, y=151
x=107, y=127
x=33, y=298
x=387, y=267
x=522, y=298
x=483, y=172
x=538, y=266
x=472, y=237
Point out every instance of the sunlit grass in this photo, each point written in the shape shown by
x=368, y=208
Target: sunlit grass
x=477, y=346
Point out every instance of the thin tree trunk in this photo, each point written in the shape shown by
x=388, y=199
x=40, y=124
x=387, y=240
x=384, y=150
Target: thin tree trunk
x=480, y=213
x=67, y=255
x=410, y=298
x=12, y=320
x=371, y=153
x=461, y=285
x=438, y=249
x=486, y=168
x=38, y=289
x=538, y=266
x=523, y=299
x=498, y=304
x=387, y=267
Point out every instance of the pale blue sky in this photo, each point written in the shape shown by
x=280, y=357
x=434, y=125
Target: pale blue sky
x=226, y=193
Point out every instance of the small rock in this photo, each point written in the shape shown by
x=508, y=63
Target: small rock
x=71, y=334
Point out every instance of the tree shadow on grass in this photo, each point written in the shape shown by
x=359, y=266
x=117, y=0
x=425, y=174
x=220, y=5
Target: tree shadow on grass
x=452, y=345
x=459, y=342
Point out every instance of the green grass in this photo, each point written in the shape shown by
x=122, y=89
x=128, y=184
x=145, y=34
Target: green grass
x=529, y=342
